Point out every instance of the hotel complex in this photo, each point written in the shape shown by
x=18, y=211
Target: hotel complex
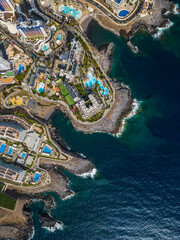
x=32, y=29
x=11, y=172
x=7, y=5
x=22, y=143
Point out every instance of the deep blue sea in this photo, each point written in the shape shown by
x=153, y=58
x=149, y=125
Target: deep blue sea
x=135, y=194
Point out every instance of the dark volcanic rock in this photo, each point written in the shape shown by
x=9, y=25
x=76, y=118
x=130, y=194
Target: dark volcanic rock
x=48, y=222
x=49, y=202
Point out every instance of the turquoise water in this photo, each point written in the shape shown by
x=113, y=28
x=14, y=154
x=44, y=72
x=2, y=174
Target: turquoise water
x=40, y=89
x=69, y=10
x=59, y=37
x=135, y=194
x=46, y=150
x=123, y=13
x=92, y=81
x=44, y=48
x=23, y=155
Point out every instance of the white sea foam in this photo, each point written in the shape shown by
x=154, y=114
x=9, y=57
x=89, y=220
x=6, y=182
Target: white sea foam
x=88, y=174
x=82, y=155
x=136, y=105
x=160, y=30
x=167, y=13
x=32, y=233
x=176, y=9
x=69, y=196
x=57, y=226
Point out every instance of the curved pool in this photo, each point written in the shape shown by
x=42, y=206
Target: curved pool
x=44, y=48
x=70, y=10
x=59, y=37
x=40, y=89
x=123, y=13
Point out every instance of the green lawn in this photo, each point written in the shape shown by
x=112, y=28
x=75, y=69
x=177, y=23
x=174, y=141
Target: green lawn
x=66, y=95
x=70, y=100
x=6, y=201
x=63, y=90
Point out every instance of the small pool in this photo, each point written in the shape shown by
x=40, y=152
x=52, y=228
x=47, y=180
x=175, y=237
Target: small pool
x=20, y=69
x=47, y=150
x=2, y=148
x=72, y=11
x=40, y=89
x=10, y=150
x=44, y=48
x=23, y=155
x=59, y=37
x=123, y=13
x=118, y=1
x=37, y=176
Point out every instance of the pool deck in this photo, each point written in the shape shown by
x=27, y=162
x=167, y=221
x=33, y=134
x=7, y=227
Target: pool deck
x=63, y=37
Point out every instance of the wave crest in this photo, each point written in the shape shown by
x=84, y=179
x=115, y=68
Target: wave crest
x=91, y=174
x=161, y=30
x=57, y=226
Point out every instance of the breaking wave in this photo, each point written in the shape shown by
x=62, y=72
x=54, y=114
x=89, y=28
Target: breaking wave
x=161, y=30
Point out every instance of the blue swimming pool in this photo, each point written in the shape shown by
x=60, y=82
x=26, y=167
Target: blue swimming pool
x=20, y=68
x=118, y=1
x=37, y=176
x=23, y=155
x=92, y=81
x=44, y=48
x=40, y=89
x=2, y=148
x=59, y=37
x=72, y=11
x=123, y=13
x=10, y=150
x=47, y=150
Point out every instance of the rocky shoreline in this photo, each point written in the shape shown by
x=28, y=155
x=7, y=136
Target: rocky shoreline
x=112, y=122
x=16, y=224
x=23, y=227
x=48, y=222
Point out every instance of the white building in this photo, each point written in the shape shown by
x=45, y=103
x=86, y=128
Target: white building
x=4, y=65
x=32, y=140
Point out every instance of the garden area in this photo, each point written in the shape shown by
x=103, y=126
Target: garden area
x=6, y=201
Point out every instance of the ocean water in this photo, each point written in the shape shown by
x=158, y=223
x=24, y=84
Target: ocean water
x=135, y=194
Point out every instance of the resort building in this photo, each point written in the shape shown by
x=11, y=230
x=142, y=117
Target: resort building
x=5, y=80
x=12, y=130
x=91, y=110
x=7, y=5
x=4, y=65
x=11, y=172
x=18, y=120
x=32, y=29
x=29, y=160
x=32, y=140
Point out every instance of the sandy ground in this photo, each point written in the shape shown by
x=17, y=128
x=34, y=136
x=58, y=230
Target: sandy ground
x=14, y=223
